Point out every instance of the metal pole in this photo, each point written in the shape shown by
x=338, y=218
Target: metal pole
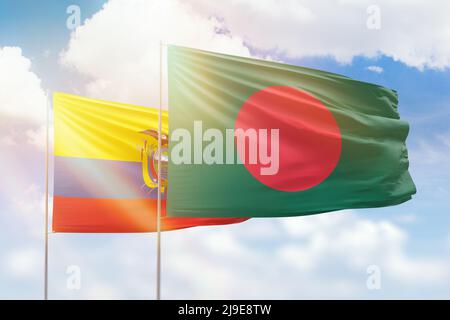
x=46, y=200
x=158, y=217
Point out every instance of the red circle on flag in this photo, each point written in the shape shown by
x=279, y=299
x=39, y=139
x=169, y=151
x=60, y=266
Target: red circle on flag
x=309, y=139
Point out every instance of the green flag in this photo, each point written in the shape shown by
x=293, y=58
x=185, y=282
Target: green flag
x=251, y=138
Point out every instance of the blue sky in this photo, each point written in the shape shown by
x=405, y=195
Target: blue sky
x=106, y=59
x=37, y=27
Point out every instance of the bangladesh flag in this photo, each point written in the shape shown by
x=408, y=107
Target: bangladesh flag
x=251, y=138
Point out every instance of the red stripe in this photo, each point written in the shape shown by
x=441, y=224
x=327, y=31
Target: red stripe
x=92, y=215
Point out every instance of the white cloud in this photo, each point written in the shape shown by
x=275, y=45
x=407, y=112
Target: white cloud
x=118, y=48
x=433, y=151
x=21, y=94
x=406, y=218
x=338, y=28
x=47, y=53
x=376, y=69
x=8, y=140
x=359, y=242
x=22, y=263
x=23, y=105
x=418, y=271
x=103, y=292
x=322, y=256
x=30, y=201
x=37, y=137
x=28, y=206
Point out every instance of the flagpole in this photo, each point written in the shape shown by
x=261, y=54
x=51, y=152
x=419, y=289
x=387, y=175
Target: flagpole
x=46, y=199
x=158, y=218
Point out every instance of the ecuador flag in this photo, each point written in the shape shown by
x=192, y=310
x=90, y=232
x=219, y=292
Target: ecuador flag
x=254, y=138
x=105, y=168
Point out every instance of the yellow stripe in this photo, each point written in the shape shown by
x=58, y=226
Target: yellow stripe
x=88, y=128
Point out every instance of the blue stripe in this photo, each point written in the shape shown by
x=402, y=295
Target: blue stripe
x=93, y=178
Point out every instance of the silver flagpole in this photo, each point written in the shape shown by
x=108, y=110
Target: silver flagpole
x=158, y=221
x=46, y=199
